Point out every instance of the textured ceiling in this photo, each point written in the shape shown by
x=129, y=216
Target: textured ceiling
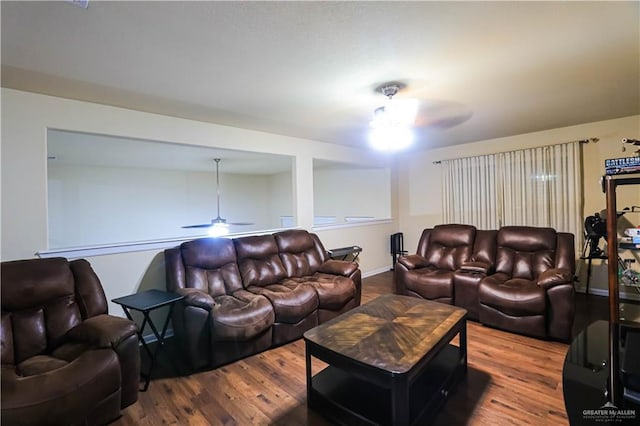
x=308, y=69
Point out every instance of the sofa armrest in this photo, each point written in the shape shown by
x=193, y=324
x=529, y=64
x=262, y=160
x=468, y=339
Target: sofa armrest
x=477, y=267
x=338, y=267
x=103, y=331
x=413, y=261
x=553, y=277
x=197, y=298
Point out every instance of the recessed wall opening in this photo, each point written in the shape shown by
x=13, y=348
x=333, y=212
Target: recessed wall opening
x=106, y=190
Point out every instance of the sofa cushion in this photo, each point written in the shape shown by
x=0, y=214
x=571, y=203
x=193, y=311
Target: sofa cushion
x=39, y=364
x=38, y=304
x=525, y=252
x=450, y=246
x=210, y=265
x=334, y=291
x=240, y=316
x=298, y=252
x=291, y=301
x=259, y=261
x=70, y=392
x=515, y=297
x=430, y=283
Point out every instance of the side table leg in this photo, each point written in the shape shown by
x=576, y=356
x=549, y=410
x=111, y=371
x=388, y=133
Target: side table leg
x=160, y=343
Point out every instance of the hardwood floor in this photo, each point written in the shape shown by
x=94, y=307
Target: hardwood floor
x=511, y=380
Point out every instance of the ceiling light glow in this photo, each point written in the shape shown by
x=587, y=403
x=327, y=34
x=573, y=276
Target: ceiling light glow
x=391, y=126
x=218, y=229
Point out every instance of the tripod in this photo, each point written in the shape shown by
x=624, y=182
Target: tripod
x=590, y=251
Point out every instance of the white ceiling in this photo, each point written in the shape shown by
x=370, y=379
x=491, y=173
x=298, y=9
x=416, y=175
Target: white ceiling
x=480, y=70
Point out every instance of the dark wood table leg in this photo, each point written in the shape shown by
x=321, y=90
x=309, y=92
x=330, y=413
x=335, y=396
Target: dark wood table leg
x=307, y=356
x=463, y=346
x=400, y=407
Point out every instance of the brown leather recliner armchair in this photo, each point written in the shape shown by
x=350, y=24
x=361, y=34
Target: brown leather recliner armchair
x=429, y=273
x=64, y=360
x=531, y=291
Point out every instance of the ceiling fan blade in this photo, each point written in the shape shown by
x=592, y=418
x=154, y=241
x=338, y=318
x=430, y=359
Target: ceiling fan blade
x=439, y=114
x=203, y=225
x=241, y=223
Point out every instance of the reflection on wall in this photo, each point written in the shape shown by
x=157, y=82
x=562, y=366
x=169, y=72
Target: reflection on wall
x=93, y=200
x=347, y=194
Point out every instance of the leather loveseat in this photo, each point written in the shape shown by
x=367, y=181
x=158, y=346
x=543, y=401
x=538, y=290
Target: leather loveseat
x=64, y=360
x=248, y=294
x=517, y=278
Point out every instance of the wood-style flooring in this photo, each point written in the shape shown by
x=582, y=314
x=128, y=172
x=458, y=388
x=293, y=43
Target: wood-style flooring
x=511, y=380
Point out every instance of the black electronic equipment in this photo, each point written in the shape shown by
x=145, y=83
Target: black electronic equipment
x=595, y=227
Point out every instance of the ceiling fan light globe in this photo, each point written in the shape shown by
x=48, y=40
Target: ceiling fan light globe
x=218, y=230
x=390, y=138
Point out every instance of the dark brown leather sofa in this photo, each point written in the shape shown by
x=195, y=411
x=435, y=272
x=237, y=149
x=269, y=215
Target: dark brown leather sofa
x=248, y=294
x=64, y=360
x=517, y=278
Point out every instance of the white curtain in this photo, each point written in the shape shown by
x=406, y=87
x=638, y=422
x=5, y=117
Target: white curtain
x=534, y=187
x=470, y=191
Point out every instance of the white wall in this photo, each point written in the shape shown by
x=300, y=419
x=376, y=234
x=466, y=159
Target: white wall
x=26, y=118
x=280, y=197
x=90, y=205
x=352, y=192
x=420, y=183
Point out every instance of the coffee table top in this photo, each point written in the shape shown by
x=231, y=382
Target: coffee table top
x=392, y=332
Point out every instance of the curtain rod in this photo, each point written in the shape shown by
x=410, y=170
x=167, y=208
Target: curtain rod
x=581, y=141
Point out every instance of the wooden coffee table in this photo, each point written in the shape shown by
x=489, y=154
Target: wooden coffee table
x=391, y=361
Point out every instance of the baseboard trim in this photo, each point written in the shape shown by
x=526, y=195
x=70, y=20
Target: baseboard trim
x=374, y=272
x=605, y=293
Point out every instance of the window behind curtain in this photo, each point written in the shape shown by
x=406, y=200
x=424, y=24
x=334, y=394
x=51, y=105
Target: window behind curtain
x=534, y=187
x=470, y=191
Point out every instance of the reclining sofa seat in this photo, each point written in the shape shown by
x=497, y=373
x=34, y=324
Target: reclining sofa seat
x=429, y=273
x=306, y=261
x=531, y=291
x=245, y=295
x=217, y=312
x=64, y=359
x=294, y=303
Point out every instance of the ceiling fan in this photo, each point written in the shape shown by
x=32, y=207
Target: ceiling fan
x=429, y=114
x=218, y=226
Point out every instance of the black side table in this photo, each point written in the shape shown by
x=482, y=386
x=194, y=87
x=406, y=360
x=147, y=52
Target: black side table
x=146, y=302
x=343, y=252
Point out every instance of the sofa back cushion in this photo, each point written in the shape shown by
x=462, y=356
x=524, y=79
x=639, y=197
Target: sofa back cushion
x=484, y=246
x=38, y=307
x=259, y=261
x=210, y=265
x=448, y=246
x=525, y=252
x=299, y=252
